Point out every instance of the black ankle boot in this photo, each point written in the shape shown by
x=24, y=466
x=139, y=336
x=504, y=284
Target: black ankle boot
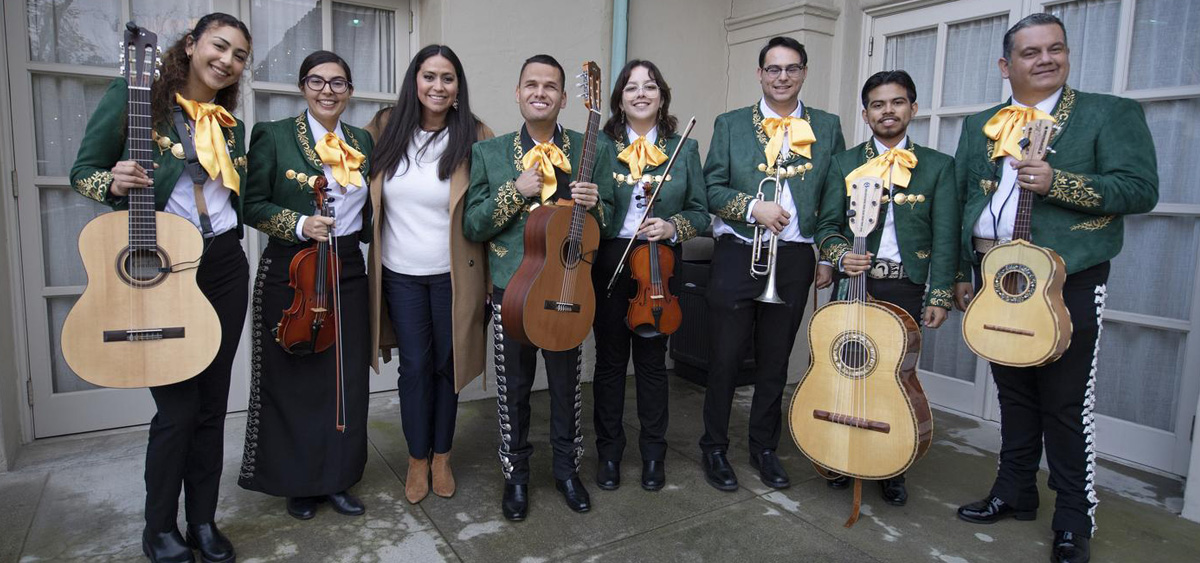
x=166, y=547
x=213, y=545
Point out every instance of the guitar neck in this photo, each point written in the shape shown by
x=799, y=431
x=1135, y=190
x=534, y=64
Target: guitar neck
x=858, y=284
x=1023, y=224
x=143, y=231
x=586, y=163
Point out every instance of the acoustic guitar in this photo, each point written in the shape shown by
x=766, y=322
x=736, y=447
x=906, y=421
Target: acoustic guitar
x=142, y=321
x=860, y=410
x=1019, y=318
x=550, y=301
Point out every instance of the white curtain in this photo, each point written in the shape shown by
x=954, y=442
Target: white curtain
x=972, y=49
x=1091, y=31
x=285, y=31
x=914, y=53
x=82, y=32
x=366, y=38
x=1166, y=45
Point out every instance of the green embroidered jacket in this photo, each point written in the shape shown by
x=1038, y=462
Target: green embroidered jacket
x=103, y=145
x=738, y=146
x=283, y=165
x=496, y=212
x=927, y=223
x=1104, y=168
x=683, y=199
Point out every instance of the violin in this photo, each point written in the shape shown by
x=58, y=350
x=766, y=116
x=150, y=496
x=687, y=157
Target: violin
x=653, y=311
x=309, y=325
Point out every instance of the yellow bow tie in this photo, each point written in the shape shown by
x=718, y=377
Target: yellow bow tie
x=894, y=166
x=1007, y=128
x=547, y=157
x=639, y=155
x=342, y=159
x=799, y=133
x=210, y=139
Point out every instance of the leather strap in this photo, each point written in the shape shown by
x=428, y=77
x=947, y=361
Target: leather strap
x=857, y=503
x=983, y=245
x=194, y=169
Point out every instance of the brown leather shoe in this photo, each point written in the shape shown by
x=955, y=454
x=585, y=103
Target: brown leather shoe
x=443, y=477
x=416, y=486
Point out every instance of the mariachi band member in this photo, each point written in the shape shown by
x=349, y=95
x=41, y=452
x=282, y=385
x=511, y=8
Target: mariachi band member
x=306, y=426
x=509, y=175
x=777, y=133
x=917, y=241
x=1102, y=168
x=432, y=278
x=200, y=76
x=640, y=134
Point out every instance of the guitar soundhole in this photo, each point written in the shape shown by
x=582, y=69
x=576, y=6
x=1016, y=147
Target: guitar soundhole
x=1014, y=283
x=854, y=354
x=564, y=254
x=142, y=268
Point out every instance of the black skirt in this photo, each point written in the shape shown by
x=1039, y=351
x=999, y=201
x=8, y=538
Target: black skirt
x=293, y=447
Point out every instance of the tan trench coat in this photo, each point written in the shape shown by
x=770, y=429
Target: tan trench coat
x=468, y=280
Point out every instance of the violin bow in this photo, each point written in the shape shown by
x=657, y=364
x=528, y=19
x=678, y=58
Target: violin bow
x=687, y=131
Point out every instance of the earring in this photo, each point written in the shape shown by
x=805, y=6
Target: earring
x=455, y=104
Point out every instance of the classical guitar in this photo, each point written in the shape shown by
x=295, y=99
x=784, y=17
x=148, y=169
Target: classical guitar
x=550, y=301
x=860, y=410
x=142, y=321
x=1019, y=318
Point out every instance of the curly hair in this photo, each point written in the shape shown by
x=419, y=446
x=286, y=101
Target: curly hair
x=176, y=66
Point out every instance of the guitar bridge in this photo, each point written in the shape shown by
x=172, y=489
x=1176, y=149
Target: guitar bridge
x=1009, y=330
x=562, y=306
x=855, y=421
x=142, y=334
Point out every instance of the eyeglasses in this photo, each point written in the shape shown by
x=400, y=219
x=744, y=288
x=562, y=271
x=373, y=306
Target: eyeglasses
x=650, y=89
x=792, y=70
x=317, y=83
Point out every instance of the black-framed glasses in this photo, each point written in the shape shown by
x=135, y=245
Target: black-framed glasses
x=337, y=85
x=792, y=70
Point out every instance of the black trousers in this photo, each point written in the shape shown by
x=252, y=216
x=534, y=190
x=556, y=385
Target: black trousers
x=422, y=318
x=185, y=448
x=736, y=316
x=516, y=367
x=902, y=293
x=614, y=342
x=1052, y=405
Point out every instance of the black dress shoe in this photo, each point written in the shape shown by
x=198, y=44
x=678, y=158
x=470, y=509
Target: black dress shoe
x=718, y=472
x=770, y=471
x=515, y=504
x=991, y=510
x=166, y=547
x=302, y=508
x=346, y=503
x=841, y=482
x=573, y=492
x=608, y=475
x=1070, y=548
x=213, y=545
x=894, y=491
x=654, y=475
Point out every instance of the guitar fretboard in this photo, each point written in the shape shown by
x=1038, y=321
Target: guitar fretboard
x=586, y=162
x=143, y=230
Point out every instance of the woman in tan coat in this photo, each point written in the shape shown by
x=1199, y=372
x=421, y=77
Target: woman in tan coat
x=428, y=283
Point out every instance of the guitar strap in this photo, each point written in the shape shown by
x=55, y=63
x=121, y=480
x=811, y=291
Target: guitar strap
x=193, y=168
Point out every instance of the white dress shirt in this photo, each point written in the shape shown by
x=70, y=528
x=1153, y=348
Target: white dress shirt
x=889, y=248
x=348, y=201
x=631, y=224
x=221, y=214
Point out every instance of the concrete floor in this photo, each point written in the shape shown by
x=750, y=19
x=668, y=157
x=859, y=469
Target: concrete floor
x=80, y=499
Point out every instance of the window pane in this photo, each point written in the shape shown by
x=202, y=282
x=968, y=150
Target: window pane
x=63, y=380
x=272, y=107
x=1166, y=46
x=285, y=31
x=948, y=131
x=360, y=112
x=1138, y=374
x=1092, y=35
x=918, y=131
x=170, y=20
x=972, y=48
x=944, y=352
x=1165, y=246
x=914, y=52
x=366, y=38
x=81, y=32
x=64, y=213
x=61, y=108
x=1173, y=125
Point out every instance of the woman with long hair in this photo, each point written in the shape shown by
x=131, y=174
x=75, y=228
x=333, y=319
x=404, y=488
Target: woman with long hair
x=200, y=76
x=641, y=131
x=306, y=426
x=431, y=276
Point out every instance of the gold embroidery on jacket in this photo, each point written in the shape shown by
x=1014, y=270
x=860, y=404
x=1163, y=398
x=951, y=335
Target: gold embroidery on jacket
x=509, y=202
x=684, y=230
x=1094, y=224
x=498, y=250
x=281, y=225
x=941, y=298
x=922, y=254
x=302, y=138
x=96, y=185
x=834, y=251
x=1074, y=189
x=735, y=208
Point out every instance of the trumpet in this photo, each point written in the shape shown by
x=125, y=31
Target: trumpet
x=763, y=253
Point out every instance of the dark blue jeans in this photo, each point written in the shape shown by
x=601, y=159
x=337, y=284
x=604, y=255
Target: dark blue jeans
x=422, y=318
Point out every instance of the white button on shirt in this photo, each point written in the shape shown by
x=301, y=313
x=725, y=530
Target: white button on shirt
x=347, y=206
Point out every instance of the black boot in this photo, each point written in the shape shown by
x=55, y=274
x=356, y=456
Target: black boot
x=166, y=547
x=654, y=475
x=991, y=510
x=515, y=504
x=302, y=508
x=718, y=472
x=213, y=545
x=1070, y=548
x=770, y=471
x=573, y=492
x=895, y=492
x=346, y=503
x=608, y=475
